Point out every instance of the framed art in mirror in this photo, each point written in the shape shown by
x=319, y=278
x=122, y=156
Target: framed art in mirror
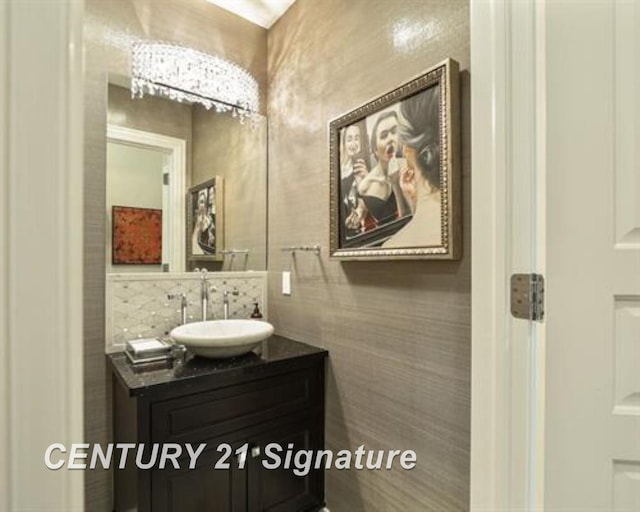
x=205, y=221
x=394, y=173
x=137, y=236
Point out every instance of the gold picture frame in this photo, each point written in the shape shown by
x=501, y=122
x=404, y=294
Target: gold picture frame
x=394, y=173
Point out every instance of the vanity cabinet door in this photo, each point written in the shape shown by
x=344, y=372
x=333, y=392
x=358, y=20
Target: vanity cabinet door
x=233, y=408
x=202, y=488
x=280, y=490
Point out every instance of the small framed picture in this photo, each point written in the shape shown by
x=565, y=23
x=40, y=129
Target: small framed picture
x=394, y=173
x=136, y=236
x=205, y=221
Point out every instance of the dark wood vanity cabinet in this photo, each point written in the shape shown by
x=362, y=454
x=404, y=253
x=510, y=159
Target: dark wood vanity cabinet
x=268, y=400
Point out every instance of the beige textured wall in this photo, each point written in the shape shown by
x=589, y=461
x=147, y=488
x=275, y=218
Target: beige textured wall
x=110, y=26
x=237, y=152
x=151, y=114
x=398, y=332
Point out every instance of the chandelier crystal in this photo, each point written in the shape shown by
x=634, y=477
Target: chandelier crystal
x=187, y=75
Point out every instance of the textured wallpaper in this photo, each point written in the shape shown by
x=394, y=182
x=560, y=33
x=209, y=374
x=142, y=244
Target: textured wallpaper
x=398, y=333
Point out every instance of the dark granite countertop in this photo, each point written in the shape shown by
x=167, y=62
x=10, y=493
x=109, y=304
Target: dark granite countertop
x=274, y=353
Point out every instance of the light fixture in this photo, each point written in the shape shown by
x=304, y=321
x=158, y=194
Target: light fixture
x=187, y=75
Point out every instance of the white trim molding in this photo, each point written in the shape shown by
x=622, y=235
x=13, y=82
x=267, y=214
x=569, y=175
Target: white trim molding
x=489, y=471
x=176, y=151
x=507, y=396
x=41, y=253
x=5, y=271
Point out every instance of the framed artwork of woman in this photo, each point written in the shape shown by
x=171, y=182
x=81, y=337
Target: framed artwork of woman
x=205, y=227
x=394, y=173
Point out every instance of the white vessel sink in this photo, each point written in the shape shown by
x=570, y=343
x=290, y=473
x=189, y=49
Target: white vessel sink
x=222, y=338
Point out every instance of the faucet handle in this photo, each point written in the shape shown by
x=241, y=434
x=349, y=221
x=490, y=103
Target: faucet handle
x=182, y=296
x=183, y=304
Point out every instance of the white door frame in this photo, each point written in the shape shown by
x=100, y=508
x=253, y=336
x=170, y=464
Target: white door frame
x=41, y=251
x=508, y=130
x=176, y=151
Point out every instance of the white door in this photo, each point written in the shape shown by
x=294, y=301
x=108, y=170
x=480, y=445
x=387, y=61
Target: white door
x=592, y=407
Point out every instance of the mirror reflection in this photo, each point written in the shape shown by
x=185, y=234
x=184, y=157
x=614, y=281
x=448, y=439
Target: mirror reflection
x=136, y=215
x=157, y=151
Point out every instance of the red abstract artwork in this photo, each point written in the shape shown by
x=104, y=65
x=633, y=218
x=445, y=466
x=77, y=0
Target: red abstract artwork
x=137, y=236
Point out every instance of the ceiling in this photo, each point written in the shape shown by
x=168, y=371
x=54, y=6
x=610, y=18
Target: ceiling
x=261, y=12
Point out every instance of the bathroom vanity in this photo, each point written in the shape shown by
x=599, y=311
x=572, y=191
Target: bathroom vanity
x=273, y=395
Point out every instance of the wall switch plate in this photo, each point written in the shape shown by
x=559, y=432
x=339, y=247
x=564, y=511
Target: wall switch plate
x=286, y=283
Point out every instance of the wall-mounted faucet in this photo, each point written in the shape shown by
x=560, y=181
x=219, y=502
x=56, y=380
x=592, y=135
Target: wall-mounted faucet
x=225, y=301
x=183, y=304
x=204, y=293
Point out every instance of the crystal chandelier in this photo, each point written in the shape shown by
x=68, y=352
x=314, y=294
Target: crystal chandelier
x=185, y=74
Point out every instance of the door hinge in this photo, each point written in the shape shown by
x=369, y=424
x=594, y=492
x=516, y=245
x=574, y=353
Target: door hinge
x=165, y=267
x=165, y=178
x=527, y=296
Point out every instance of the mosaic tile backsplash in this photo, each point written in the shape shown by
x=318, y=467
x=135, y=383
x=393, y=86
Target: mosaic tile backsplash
x=137, y=305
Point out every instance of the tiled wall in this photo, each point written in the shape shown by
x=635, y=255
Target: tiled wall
x=137, y=305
